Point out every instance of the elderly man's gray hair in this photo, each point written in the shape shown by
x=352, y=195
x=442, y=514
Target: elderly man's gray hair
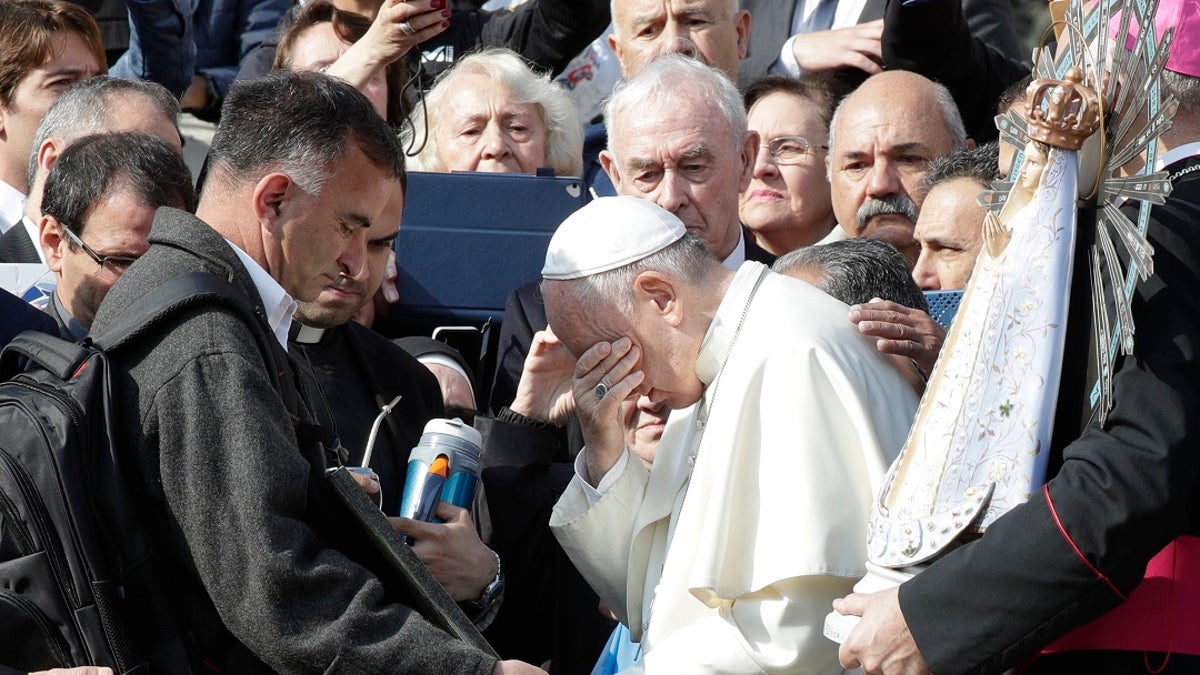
x=856, y=271
x=676, y=80
x=950, y=114
x=83, y=109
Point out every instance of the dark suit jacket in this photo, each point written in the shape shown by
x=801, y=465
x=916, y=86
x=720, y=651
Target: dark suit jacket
x=20, y=316
x=17, y=247
x=265, y=571
x=1119, y=491
x=771, y=25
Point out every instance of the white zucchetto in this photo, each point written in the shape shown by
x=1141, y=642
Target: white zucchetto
x=608, y=233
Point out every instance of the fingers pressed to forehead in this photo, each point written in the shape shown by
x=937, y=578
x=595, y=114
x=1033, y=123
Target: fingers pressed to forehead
x=622, y=351
x=603, y=355
x=591, y=358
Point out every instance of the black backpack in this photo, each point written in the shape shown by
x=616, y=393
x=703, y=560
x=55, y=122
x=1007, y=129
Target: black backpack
x=78, y=584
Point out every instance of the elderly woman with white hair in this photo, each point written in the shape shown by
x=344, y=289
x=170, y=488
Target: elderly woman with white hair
x=490, y=112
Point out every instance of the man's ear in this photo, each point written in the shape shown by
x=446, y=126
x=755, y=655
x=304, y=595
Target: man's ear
x=618, y=49
x=51, y=238
x=743, y=32
x=47, y=155
x=658, y=291
x=271, y=193
x=749, y=154
x=970, y=144
x=609, y=164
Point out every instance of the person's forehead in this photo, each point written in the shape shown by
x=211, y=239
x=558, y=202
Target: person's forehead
x=316, y=46
x=631, y=11
x=950, y=210
x=476, y=93
x=118, y=216
x=782, y=110
x=69, y=55
x=670, y=128
x=875, y=121
x=134, y=112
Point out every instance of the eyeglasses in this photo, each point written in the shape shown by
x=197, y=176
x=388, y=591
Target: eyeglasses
x=113, y=263
x=790, y=149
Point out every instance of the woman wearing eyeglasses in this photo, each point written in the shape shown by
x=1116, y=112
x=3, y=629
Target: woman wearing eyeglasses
x=787, y=204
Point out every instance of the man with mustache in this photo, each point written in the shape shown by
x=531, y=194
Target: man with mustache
x=880, y=143
x=881, y=140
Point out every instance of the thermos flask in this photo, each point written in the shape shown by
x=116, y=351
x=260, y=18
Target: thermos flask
x=444, y=466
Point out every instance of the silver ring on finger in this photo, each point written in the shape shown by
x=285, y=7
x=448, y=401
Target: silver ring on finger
x=601, y=390
x=407, y=28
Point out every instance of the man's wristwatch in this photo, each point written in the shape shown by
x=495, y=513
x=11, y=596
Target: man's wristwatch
x=483, y=609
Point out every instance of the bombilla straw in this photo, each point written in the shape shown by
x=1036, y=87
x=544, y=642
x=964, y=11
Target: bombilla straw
x=383, y=413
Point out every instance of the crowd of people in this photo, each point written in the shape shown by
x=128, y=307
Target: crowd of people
x=694, y=405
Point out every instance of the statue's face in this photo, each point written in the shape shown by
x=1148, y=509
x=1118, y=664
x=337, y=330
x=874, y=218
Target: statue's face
x=1031, y=170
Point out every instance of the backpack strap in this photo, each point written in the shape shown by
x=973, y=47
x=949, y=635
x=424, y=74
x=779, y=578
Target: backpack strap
x=189, y=291
x=56, y=355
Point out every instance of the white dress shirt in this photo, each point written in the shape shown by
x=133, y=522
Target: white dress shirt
x=12, y=206
x=278, y=304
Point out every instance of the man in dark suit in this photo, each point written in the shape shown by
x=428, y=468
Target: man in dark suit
x=219, y=434
x=1119, y=491
x=797, y=36
x=17, y=247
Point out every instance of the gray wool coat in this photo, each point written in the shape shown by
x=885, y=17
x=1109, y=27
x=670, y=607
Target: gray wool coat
x=232, y=500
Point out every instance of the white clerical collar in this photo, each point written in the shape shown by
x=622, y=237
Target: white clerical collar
x=738, y=256
x=725, y=323
x=1176, y=154
x=12, y=206
x=308, y=335
x=278, y=304
x=32, y=230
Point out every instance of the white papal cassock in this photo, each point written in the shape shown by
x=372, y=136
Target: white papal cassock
x=726, y=557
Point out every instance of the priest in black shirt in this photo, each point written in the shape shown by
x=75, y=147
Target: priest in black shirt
x=360, y=371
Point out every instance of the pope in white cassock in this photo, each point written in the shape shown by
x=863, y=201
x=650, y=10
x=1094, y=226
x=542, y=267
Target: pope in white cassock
x=725, y=557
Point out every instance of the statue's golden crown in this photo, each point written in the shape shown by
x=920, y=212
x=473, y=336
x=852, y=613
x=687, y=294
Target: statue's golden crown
x=1062, y=113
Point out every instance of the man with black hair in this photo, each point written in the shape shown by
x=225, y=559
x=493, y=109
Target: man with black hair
x=99, y=203
x=221, y=449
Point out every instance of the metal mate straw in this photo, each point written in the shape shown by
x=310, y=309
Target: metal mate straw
x=383, y=413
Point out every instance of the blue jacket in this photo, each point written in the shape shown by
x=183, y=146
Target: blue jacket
x=160, y=44
x=227, y=31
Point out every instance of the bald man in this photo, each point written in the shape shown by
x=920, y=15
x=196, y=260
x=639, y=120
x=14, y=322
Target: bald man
x=881, y=140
